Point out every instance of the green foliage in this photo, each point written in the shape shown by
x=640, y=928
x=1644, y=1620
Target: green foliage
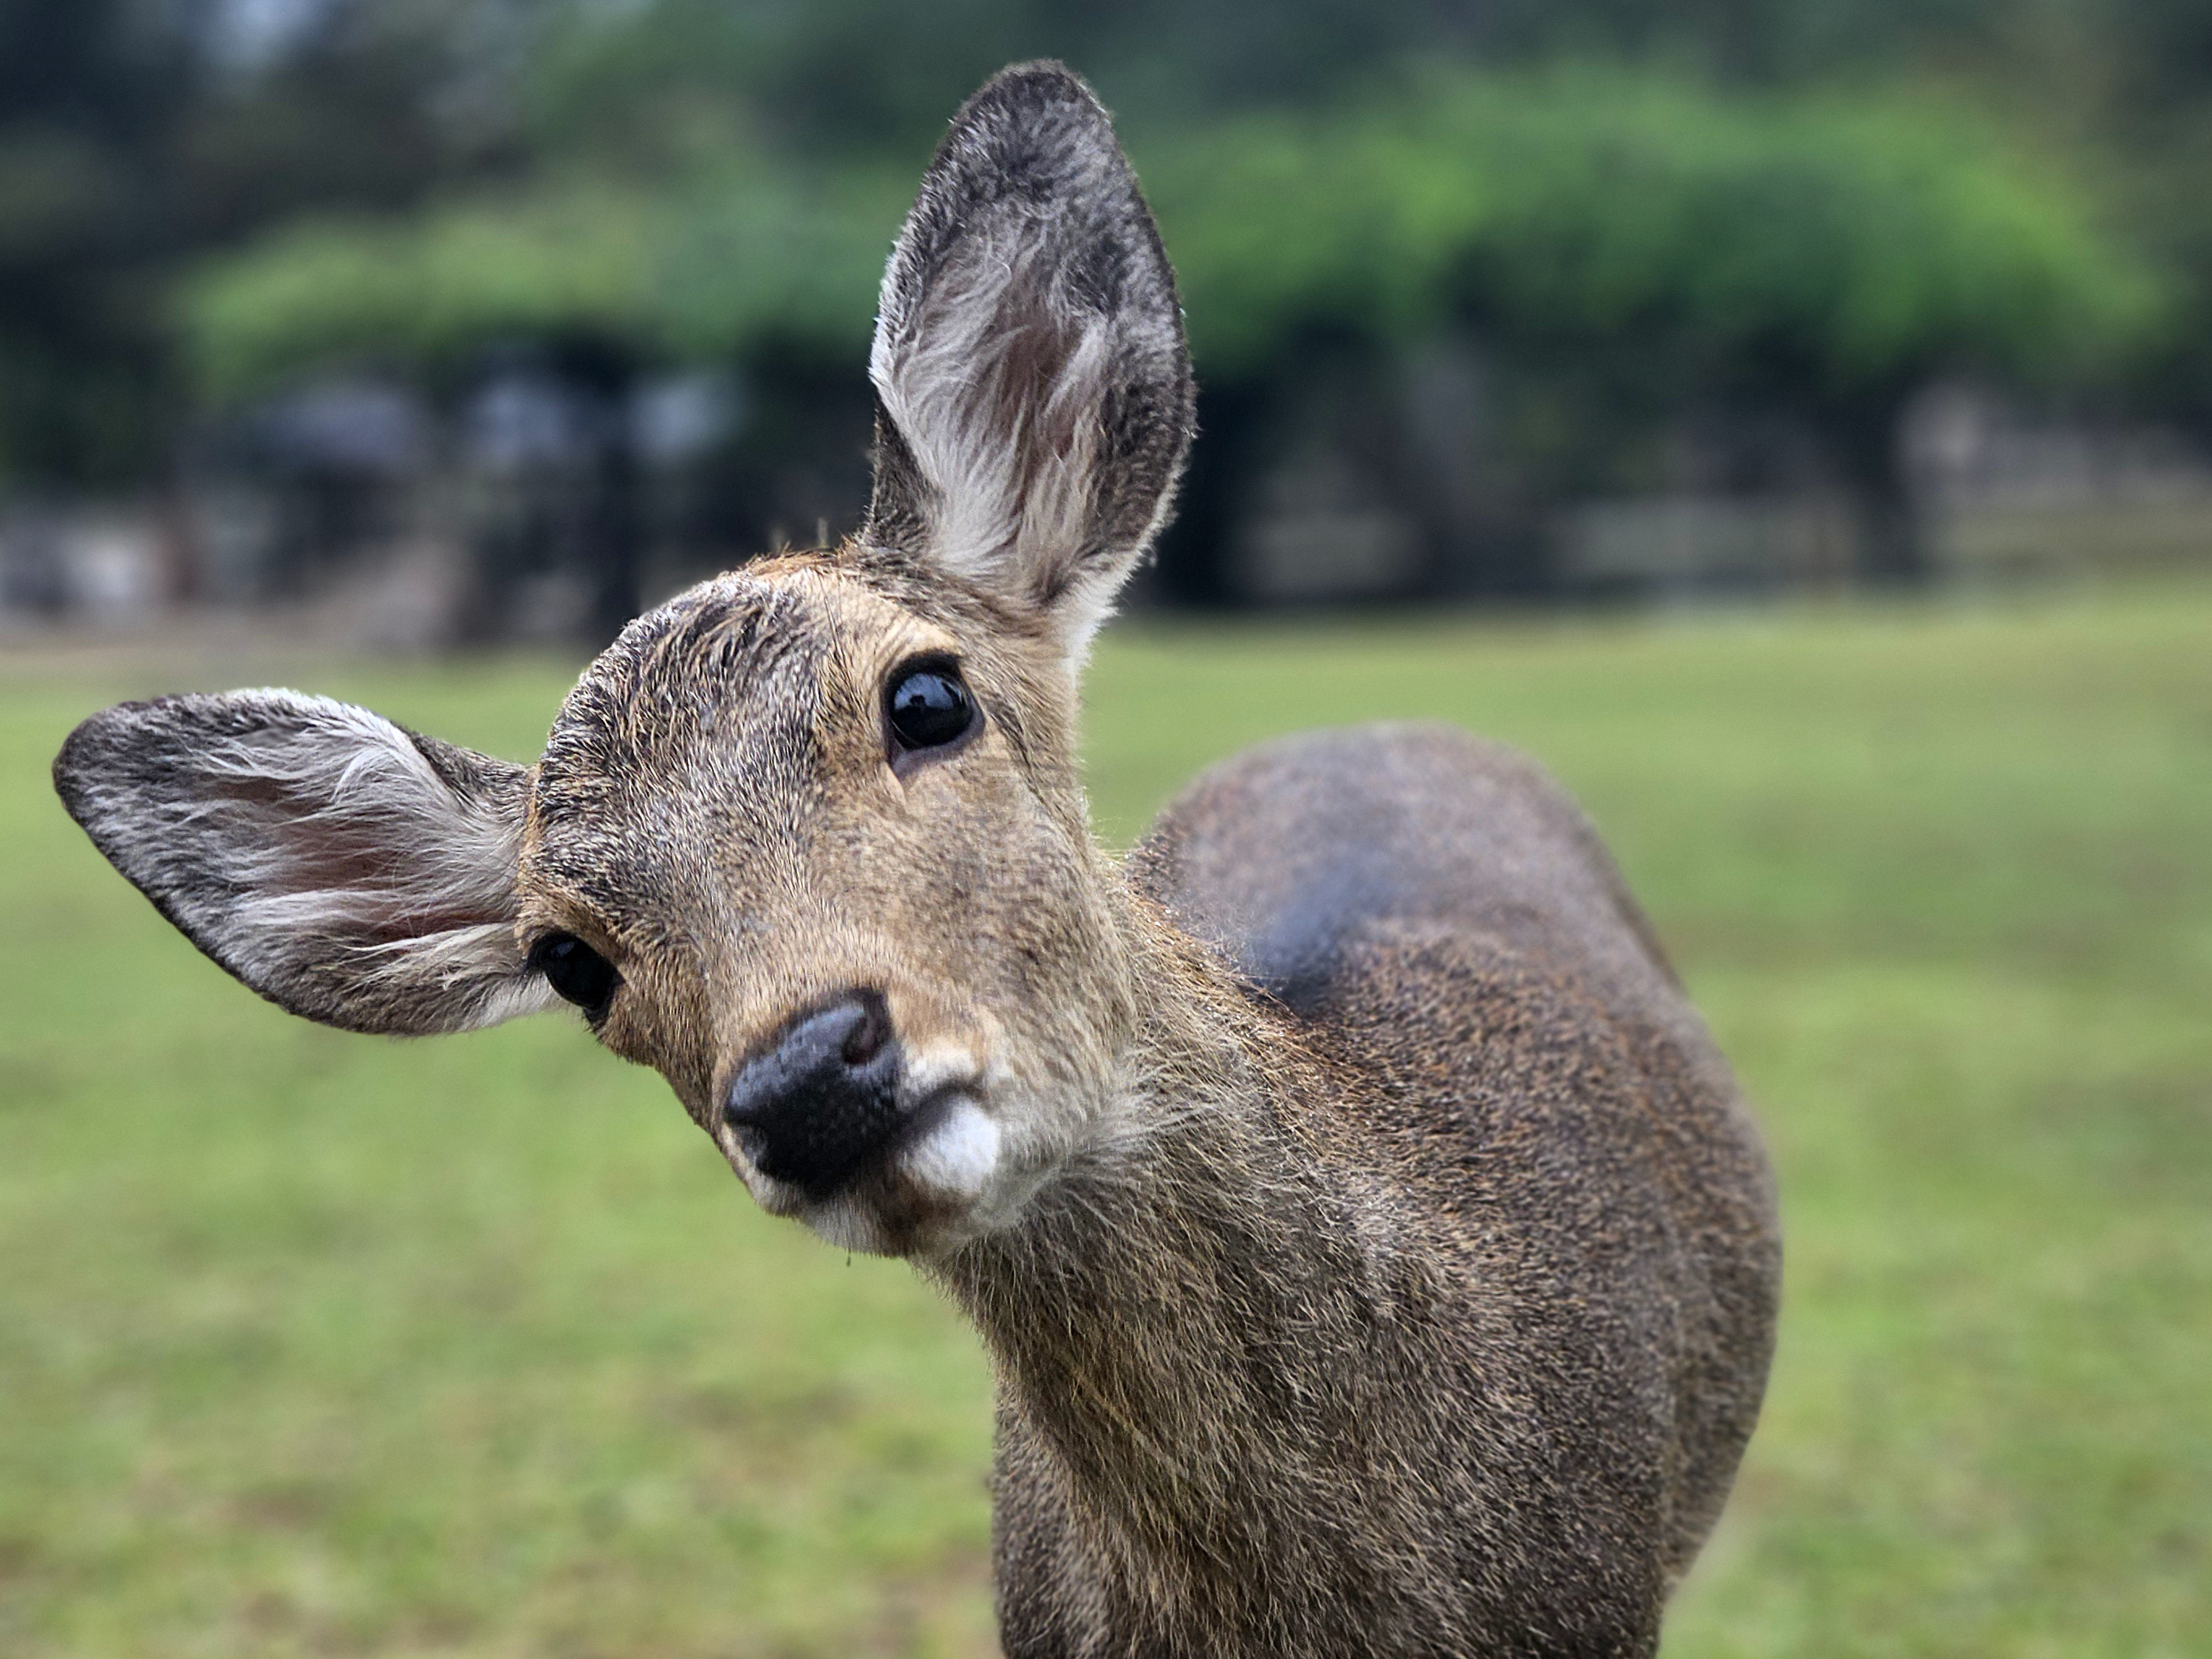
x=1845, y=240
x=311, y=1342
x=1836, y=242
x=737, y=258
x=875, y=79
x=761, y=256
x=425, y=294
x=146, y=162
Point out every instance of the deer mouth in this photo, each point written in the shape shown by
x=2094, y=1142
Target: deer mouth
x=927, y=1185
x=876, y=1145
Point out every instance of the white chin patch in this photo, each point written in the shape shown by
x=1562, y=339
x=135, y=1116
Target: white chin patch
x=955, y=1161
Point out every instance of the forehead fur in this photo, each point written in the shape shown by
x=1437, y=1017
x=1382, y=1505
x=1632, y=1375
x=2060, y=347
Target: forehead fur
x=697, y=728
x=728, y=653
x=703, y=724
x=762, y=637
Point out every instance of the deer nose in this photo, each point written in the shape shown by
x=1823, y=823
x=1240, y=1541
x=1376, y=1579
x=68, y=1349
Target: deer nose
x=816, y=1104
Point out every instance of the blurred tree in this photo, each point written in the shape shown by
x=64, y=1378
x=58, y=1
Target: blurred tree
x=364, y=104
x=89, y=95
x=1735, y=211
x=1826, y=256
x=134, y=133
x=841, y=77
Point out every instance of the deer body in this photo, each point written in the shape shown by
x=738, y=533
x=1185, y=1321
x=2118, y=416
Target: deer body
x=1429, y=1311
x=1374, y=1253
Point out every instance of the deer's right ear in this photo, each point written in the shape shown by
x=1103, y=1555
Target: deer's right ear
x=1034, y=394
x=347, y=870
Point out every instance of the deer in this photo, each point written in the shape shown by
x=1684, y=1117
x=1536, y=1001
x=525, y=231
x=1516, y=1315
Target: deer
x=1373, y=1250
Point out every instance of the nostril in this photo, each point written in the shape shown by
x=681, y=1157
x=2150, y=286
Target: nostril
x=870, y=1033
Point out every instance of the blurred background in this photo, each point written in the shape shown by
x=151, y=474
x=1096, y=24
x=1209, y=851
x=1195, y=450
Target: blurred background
x=1790, y=420
x=497, y=318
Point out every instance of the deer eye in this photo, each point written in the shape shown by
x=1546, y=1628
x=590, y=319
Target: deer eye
x=575, y=971
x=927, y=707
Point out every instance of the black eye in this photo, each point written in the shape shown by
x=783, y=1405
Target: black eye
x=927, y=706
x=576, y=970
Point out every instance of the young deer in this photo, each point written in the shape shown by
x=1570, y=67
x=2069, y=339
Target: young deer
x=1373, y=1250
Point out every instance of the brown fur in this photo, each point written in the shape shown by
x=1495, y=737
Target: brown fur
x=1430, y=1318
x=1374, y=1253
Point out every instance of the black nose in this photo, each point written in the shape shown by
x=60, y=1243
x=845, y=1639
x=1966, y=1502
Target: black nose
x=821, y=1099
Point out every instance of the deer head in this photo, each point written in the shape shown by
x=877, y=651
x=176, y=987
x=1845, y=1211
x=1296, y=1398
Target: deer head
x=807, y=839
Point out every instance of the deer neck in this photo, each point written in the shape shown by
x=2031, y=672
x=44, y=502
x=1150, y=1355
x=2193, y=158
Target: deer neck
x=1205, y=1277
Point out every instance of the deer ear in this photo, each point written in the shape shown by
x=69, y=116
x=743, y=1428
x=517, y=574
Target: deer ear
x=347, y=870
x=1034, y=394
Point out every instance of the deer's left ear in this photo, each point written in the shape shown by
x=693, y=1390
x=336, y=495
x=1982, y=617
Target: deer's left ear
x=1034, y=391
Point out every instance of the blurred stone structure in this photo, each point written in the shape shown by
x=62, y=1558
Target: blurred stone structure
x=543, y=505
x=1430, y=477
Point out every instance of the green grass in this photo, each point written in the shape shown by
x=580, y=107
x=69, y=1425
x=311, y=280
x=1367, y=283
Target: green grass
x=315, y=1344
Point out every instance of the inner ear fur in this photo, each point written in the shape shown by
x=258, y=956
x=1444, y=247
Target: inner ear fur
x=348, y=870
x=1034, y=392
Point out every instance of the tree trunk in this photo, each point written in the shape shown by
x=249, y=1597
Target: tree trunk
x=614, y=532
x=1866, y=439
x=1445, y=463
x=1194, y=567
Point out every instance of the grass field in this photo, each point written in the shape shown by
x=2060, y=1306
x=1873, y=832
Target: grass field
x=316, y=1344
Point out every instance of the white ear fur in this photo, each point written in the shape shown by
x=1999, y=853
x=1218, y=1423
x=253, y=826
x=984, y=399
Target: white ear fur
x=347, y=870
x=977, y=391
x=1034, y=390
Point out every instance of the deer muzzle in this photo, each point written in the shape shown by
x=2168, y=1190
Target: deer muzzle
x=818, y=1103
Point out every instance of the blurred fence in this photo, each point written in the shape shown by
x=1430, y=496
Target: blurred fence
x=537, y=508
